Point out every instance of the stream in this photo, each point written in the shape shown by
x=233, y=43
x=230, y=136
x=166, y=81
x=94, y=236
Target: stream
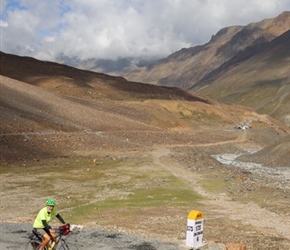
x=280, y=176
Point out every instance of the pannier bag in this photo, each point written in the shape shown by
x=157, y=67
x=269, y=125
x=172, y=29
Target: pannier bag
x=64, y=230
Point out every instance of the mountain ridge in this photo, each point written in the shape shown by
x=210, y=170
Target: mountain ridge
x=202, y=66
x=265, y=81
x=230, y=40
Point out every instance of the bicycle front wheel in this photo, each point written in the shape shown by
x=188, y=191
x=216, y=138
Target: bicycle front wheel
x=67, y=246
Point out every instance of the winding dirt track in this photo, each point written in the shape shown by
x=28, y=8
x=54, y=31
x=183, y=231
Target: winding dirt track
x=249, y=214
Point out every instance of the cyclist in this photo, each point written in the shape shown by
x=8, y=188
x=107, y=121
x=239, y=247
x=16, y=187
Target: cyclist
x=42, y=219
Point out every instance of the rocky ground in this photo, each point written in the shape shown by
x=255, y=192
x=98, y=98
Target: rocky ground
x=243, y=203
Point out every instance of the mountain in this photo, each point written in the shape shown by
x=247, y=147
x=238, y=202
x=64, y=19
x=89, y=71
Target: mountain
x=261, y=48
x=262, y=81
x=57, y=110
x=188, y=66
x=120, y=66
x=82, y=83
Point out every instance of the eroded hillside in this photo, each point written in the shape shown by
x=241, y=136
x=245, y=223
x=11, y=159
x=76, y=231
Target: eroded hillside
x=246, y=65
x=53, y=99
x=261, y=82
x=188, y=66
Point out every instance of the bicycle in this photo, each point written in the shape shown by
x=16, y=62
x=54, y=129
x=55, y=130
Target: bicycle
x=35, y=239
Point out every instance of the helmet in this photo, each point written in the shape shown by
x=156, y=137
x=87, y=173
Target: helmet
x=50, y=202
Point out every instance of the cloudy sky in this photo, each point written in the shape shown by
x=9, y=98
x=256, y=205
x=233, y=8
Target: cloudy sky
x=119, y=28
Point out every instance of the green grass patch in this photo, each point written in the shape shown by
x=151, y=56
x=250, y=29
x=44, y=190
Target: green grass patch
x=85, y=189
x=156, y=198
x=214, y=185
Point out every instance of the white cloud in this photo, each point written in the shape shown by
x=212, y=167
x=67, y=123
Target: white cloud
x=119, y=28
x=3, y=24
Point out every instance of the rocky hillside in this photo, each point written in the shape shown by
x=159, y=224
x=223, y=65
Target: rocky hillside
x=49, y=98
x=74, y=82
x=188, y=66
x=261, y=82
x=246, y=65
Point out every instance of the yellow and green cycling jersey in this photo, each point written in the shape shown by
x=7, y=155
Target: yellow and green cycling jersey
x=43, y=214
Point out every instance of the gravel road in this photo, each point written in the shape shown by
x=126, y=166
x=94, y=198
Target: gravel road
x=14, y=236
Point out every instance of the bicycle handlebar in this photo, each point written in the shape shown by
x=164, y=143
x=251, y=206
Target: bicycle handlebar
x=67, y=229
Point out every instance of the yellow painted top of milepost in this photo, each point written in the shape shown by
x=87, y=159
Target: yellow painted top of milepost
x=195, y=215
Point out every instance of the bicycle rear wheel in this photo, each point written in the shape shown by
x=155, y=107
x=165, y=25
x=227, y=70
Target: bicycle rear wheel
x=32, y=245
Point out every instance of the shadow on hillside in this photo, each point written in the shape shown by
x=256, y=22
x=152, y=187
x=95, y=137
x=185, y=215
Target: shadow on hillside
x=20, y=148
x=31, y=70
x=35, y=72
x=273, y=82
x=157, y=92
